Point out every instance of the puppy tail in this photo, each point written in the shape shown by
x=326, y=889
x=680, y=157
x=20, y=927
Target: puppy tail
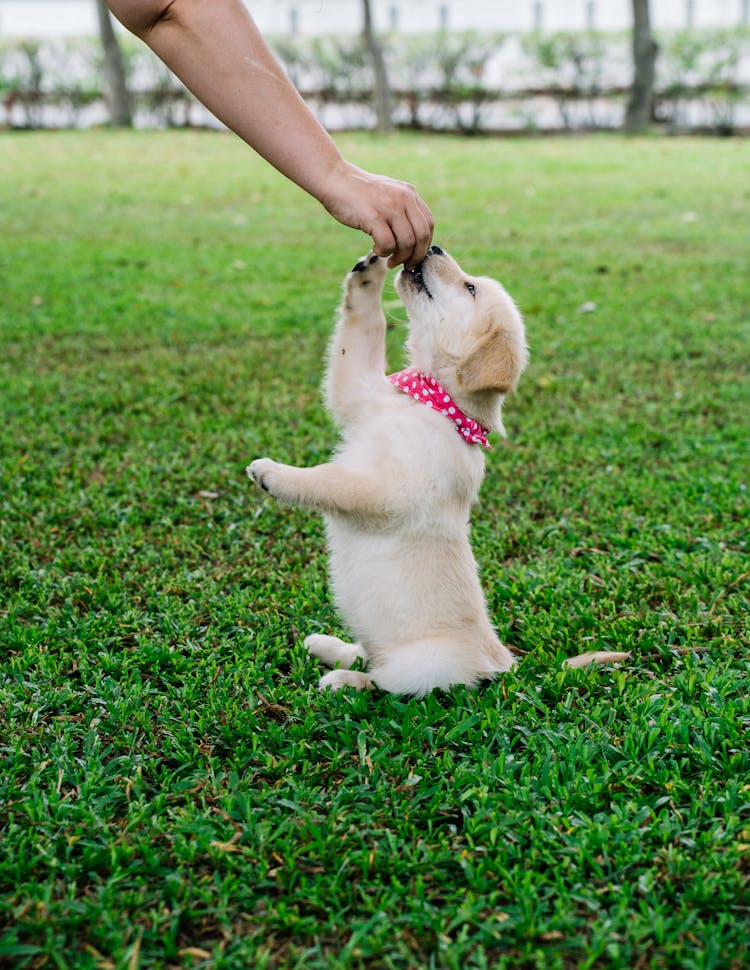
x=421, y=666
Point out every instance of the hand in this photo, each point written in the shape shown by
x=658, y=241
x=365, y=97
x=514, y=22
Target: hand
x=390, y=211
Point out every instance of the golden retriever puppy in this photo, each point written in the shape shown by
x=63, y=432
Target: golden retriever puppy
x=396, y=495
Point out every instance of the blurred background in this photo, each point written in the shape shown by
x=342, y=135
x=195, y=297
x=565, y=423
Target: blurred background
x=470, y=66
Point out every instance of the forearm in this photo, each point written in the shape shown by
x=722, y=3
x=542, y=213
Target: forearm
x=219, y=54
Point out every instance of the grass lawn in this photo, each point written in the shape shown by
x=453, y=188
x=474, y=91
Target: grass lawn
x=174, y=790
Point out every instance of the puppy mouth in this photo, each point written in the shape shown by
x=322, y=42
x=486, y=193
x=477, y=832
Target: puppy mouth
x=415, y=276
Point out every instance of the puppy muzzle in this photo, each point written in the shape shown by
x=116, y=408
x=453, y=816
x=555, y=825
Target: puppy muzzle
x=415, y=275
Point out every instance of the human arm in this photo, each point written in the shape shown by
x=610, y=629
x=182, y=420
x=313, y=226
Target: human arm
x=218, y=52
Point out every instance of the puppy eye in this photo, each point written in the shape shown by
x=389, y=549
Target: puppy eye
x=471, y=288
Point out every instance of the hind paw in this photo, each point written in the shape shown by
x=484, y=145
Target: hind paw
x=337, y=679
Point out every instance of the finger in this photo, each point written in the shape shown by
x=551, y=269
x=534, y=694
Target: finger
x=405, y=238
x=429, y=220
x=383, y=239
x=422, y=226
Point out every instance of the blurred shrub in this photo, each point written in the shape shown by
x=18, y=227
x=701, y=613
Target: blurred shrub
x=441, y=80
x=574, y=67
x=702, y=67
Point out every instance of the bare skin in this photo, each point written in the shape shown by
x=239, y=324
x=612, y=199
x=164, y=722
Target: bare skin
x=219, y=54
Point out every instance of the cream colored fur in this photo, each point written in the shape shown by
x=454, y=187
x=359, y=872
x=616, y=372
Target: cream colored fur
x=397, y=494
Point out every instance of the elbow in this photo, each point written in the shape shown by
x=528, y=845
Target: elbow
x=140, y=16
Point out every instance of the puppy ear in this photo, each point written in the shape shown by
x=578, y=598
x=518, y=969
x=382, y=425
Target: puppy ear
x=493, y=364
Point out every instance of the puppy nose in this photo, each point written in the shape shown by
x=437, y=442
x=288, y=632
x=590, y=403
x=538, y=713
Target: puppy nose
x=436, y=250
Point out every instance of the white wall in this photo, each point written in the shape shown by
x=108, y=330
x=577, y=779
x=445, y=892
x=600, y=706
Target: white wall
x=323, y=16
x=48, y=18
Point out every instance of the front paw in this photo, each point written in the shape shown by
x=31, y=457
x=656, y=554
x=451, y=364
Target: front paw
x=263, y=472
x=367, y=275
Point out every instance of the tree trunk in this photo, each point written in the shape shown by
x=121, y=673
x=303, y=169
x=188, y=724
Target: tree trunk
x=641, y=101
x=382, y=93
x=117, y=93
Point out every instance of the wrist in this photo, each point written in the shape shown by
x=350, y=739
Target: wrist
x=332, y=179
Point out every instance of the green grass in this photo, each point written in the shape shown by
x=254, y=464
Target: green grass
x=174, y=791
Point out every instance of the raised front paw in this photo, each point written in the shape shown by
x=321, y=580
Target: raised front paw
x=265, y=473
x=366, y=278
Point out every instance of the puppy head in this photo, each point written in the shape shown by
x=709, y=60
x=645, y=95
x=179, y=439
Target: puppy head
x=465, y=330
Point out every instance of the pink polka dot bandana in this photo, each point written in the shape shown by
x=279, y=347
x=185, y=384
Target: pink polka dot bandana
x=427, y=390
